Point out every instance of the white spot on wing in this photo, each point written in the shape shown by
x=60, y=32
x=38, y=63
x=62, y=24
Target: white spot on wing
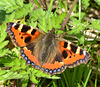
x=20, y=27
x=68, y=47
x=29, y=31
x=13, y=24
x=84, y=52
x=78, y=50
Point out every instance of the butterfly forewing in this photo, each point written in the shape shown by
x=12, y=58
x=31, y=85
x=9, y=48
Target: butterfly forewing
x=21, y=34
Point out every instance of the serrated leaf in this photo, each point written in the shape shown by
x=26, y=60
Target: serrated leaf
x=9, y=64
x=15, y=68
x=33, y=79
x=97, y=1
x=85, y=3
x=2, y=78
x=40, y=74
x=2, y=38
x=23, y=66
x=2, y=15
x=7, y=75
x=81, y=40
x=57, y=20
x=11, y=17
x=25, y=82
x=37, y=14
x=12, y=8
x=12, y=2
x=96, y=24
x=2, y=72
x=17, y=62
x=3, y=44
x=6, y=2
x=2, y=3
x=22, y=13
x=20, y=2
x=23, y=72
x=60, y=32
x=4, y=52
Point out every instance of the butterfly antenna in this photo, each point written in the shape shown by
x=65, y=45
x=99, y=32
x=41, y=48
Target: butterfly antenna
x=66, y=19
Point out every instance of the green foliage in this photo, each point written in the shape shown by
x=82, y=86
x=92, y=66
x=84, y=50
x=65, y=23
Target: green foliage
x=16, y=6
x=85, y=3
x=3, y=43
x=2, y=15
x=47, y=20
x=95, y=24
x=12, y=66
x=97, y=1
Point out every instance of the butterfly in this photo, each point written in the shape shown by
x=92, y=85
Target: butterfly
x=46, y=51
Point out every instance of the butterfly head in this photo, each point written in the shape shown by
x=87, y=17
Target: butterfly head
x=51, y=33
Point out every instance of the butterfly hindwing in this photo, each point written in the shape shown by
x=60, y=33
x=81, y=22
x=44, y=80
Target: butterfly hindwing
x=21, y=34
x=67, y=54
x=54, y=65
x=73, y=55
x=28, y=56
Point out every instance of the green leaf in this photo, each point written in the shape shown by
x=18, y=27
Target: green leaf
x=2, y=15
x=12, y=8
x=37, y=14
x=25, y=82
x=7, y=61
x=85, y=3
x=17, y=62
x=11, y=17
x=9, y=64
x=96, y=24
x=23, y=72
x=57, y=20
x=2, y=37
x=20, y=2
x=23, y=64
x=7, y=75
x=3, y=44
x=87, y=78
x=2, y=72
x=15, y=68
x=97, y=1
x=33, y=79
x=4, y=52
x=36, y=1
x=81, y=40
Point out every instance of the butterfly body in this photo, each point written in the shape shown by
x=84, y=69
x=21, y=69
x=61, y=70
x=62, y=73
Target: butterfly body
x=46, y=51
x=45, y=48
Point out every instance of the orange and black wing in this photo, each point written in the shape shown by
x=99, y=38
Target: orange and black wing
x=73, y=55
x=67, y=54
x=20, y=34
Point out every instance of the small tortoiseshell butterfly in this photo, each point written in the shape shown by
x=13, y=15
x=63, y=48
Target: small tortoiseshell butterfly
x=46, y=51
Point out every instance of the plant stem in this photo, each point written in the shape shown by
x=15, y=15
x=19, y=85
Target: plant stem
x=79, y=9
x=66, y=19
